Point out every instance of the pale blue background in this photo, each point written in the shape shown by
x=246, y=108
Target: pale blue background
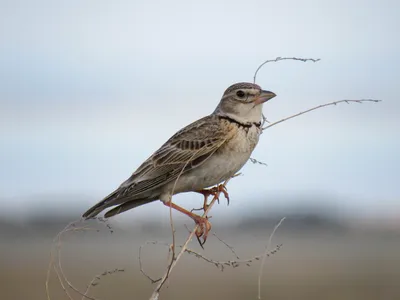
x=89, y=89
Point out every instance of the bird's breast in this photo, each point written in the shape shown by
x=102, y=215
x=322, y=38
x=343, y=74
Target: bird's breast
x=244, y=140
x=224, y=163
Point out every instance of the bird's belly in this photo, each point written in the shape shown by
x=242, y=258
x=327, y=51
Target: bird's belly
x=215, y=170
x=223, y=164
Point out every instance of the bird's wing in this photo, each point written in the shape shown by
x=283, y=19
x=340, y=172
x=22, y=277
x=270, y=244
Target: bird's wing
x=186, y=150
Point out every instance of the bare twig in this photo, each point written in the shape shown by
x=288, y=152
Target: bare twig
x=55, y=254
x=227, y=245
x=51, y=262
x=255, y=161
x=233, y=263
x=265, y=256
x=62, y=283
x=140, y=260
x=59, y=265
x=156, y=291
x=319, y=106
x=264, y=119
x=283, y=58
x=96, y=279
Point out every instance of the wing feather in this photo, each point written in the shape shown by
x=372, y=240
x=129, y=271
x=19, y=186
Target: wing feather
x=187, y=149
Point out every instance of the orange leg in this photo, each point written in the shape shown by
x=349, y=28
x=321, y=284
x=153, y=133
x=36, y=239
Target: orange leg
x=203, y=223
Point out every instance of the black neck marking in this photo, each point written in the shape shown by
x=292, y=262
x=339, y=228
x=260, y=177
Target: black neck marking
x=247, y=125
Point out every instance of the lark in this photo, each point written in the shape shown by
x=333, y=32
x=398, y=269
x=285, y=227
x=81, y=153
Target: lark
x=201, y=155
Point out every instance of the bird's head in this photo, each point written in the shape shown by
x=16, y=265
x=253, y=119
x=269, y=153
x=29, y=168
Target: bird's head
x=243, y=102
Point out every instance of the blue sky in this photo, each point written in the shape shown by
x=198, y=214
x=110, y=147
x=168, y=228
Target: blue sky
x=89, y=89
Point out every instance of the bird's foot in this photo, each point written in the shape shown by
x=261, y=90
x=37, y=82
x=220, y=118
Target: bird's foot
x=203, y=228
x=214, y=191
x=203, y=225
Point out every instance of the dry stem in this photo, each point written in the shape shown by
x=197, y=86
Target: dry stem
x=283, y=58
x=55, y=253
x=156, y=292
x=255, y=161
x=227, y=245
x=266, y=254
x=319, y=106
x=234, y=263
x=140, y=259
x=96, y=279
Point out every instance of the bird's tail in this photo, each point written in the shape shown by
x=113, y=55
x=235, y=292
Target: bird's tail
x=126, y=206
x=99, y=207
x=115, y=198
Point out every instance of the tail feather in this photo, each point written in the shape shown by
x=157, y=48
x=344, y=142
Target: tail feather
x=126, y=206
x=103, y=204
x=115, y=198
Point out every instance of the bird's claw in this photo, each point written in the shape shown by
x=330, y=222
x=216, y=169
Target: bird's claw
x=214, y=191
x=203, y=225
x=222, y=188
x=203, y=228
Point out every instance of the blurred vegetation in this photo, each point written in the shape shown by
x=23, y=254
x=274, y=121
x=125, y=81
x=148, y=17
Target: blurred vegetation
x=323, y=257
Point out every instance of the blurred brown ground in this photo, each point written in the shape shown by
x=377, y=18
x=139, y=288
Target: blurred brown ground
x=317, y=262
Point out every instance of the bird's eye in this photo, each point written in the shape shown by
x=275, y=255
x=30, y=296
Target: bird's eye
x=240, y=94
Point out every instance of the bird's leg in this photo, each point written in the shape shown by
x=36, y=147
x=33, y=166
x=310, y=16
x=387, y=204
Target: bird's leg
x=214, y=191
x=204, y=226
x=206, y=193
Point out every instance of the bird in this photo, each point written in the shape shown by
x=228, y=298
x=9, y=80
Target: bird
x=201, y=155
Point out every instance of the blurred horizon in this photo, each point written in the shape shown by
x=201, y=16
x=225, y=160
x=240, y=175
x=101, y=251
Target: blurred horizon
x=42, y=209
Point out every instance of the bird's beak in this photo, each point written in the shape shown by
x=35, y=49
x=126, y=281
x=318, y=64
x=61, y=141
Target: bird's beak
x=264, y=97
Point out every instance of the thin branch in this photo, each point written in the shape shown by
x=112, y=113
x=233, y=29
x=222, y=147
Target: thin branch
x=140, y=260
x=96, y=279
x=317, y=107
x=264, y=120
x=60, y=268
x=266, y=254
x=233, y=263
x=227, y=245
x=62, y=283
x=51, y=262
x=55, y=252
x=255, y=161
x=156, y=292
x=283, y=58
